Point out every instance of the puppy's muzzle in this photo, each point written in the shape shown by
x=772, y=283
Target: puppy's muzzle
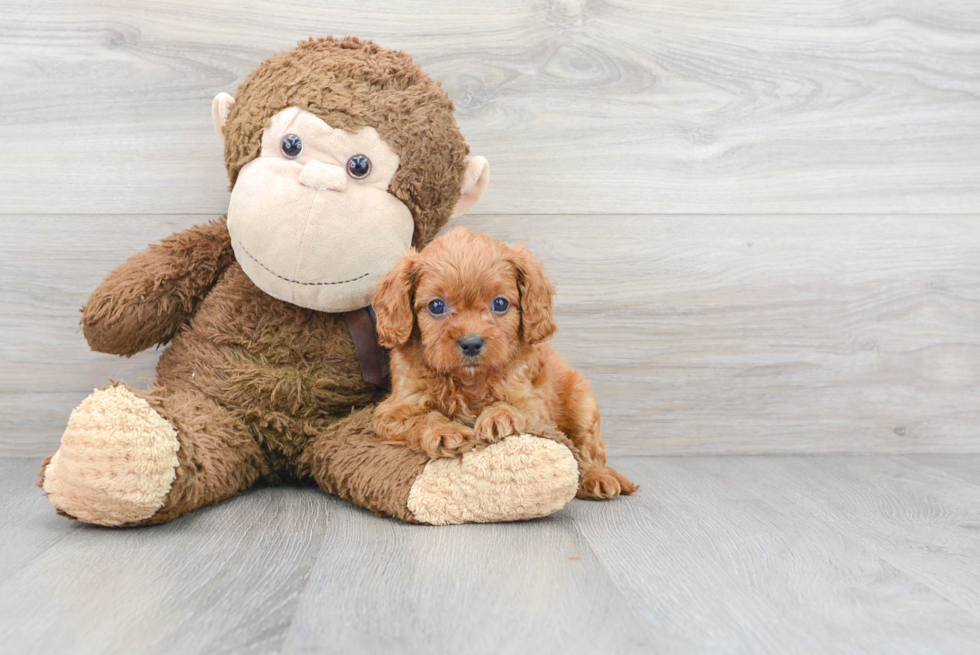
x=471, y=345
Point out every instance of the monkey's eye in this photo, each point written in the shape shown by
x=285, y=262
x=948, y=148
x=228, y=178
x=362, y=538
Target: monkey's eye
x=292, y=146
x=437, y=307
x=358, y=166
x=500, y=305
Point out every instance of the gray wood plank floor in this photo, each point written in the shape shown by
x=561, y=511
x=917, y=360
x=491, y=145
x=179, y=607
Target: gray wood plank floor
x=768, y=554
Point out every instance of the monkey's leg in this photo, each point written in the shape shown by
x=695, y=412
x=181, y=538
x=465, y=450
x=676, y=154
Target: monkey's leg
x=133, y=457
x=522, y=477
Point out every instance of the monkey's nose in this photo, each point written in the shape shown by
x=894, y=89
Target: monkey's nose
x=325, y=177
x=471, y=345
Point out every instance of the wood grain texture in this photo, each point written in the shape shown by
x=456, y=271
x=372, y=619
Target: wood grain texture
x=499, y=588
x=701, y=334
x=727, y=554
x=26, y=535
x=821, y=554
x=961, y=467
x=905, y=510
x=224, y=580
x=584, y=106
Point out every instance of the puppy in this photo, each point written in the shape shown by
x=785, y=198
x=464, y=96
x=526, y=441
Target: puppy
x=468, y=321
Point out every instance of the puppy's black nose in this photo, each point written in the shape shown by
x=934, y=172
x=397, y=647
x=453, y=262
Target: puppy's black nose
x=471, y=345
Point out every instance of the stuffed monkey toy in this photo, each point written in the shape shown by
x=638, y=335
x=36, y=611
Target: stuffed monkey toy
x=341, y=155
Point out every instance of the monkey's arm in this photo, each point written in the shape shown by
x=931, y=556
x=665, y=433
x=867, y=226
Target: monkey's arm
x=144, y=302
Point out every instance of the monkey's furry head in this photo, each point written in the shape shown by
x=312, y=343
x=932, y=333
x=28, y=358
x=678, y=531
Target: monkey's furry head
x=351, y=84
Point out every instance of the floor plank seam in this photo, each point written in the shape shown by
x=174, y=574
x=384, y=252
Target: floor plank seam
x=641, y=623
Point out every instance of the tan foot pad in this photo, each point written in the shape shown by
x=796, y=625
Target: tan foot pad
x=117, y=460
x=519, y=478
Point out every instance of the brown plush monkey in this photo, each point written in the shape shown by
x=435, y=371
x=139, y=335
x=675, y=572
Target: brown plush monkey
x=340, y=154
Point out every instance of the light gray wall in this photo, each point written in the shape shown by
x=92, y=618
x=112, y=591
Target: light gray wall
x=762, y=218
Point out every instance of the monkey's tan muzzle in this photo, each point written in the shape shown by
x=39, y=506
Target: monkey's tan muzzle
x=324, y=177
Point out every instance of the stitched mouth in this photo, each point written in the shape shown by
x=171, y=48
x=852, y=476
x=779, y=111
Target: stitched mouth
x=291, y=281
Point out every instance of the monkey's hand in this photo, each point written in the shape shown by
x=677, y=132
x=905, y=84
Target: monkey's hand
x=145, y=301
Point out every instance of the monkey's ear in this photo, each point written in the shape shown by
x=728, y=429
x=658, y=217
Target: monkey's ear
x=392, y=303
x=474, y=183
x=537, y=320
x=220, y=108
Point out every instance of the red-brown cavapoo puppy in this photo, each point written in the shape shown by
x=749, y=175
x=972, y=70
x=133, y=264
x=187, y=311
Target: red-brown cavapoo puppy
x=468, y=320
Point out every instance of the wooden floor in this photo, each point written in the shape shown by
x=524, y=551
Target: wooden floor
x=769, y=554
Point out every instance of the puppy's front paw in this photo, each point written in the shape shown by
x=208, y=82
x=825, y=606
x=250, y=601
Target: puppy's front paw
x=499, y=422
x=602, y=483
x=448, y=440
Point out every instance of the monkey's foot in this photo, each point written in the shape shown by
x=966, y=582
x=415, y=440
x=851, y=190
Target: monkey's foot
x=519, y=478
x=116, y=463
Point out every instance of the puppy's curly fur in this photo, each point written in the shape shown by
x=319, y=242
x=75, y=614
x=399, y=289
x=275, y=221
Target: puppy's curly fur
x=468, y=320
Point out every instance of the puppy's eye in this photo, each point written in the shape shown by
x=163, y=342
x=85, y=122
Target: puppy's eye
x=291, y=146
x=358, y=166
x=500, y=305
x=437, y=307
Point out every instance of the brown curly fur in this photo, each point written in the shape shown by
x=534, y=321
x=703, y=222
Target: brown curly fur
x=260, y=390
x=145, y=302
x=443, y=402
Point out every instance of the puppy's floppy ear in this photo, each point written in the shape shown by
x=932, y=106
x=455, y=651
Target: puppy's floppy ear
x=537, y=322
x=392, y=302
